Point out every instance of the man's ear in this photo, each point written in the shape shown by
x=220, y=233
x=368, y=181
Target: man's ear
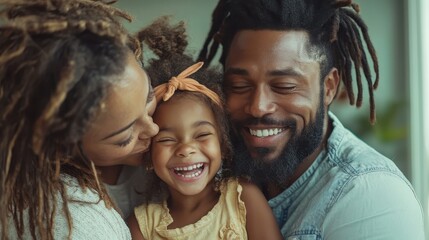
x=331, y=82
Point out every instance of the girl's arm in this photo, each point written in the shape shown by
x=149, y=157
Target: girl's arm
x=134, y=228
x=260, y=221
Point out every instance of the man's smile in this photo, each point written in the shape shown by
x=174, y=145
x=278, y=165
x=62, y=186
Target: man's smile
x=265, y=132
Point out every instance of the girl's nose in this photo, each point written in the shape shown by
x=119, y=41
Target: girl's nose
x=185, y=150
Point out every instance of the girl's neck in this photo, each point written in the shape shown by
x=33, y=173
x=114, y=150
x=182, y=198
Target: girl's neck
x=187, y=210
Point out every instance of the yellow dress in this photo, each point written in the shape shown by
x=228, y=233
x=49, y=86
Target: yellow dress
x=227, y=219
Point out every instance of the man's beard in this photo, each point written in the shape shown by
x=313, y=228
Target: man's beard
x=280, y=169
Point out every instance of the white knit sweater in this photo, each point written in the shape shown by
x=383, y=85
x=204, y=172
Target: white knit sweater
x=127, y=193
x=91, y=219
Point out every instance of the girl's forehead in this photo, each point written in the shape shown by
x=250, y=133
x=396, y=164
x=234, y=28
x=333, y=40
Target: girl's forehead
x=183, y=108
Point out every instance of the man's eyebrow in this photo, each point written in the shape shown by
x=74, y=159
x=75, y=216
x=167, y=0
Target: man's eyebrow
x=279, y=72
x=285, y=72
x=119, y=131
x=236, y=71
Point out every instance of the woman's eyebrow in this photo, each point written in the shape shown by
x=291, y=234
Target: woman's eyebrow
x=119, y=131
x=150, y=96
x=151, y=93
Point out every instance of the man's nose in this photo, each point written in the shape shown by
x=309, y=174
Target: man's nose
x=261, y=103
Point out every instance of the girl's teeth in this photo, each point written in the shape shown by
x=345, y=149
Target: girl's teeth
x=188, y=168
x=184, y=171
x=195, y=174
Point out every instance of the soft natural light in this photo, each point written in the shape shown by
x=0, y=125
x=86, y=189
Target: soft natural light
x=425, y=78
x=418, y=73
x=425, y=69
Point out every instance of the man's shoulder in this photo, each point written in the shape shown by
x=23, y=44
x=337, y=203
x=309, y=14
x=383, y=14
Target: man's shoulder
x=347, y=151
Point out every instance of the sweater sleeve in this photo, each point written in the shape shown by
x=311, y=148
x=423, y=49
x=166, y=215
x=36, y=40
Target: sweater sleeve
x=91, y=219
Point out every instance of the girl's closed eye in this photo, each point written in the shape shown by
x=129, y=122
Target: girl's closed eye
x=164, y=140
x=204, y=135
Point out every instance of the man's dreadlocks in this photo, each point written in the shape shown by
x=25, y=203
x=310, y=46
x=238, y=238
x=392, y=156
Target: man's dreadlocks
x=334, y=27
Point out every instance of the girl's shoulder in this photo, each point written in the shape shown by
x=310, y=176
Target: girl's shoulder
x=238, y=184
x=231, y=198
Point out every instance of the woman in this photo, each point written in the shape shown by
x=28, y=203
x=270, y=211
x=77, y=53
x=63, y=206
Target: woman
x=75, y=105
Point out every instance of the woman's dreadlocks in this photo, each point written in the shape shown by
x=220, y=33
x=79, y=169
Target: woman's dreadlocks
x=57, y=59
x=334, y=26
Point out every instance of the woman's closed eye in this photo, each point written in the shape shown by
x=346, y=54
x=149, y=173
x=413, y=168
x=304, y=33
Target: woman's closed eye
x=125, y=142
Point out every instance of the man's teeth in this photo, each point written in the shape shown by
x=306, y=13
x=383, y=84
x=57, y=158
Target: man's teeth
x=265, y=132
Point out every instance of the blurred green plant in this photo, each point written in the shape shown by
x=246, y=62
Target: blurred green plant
x=388, y=127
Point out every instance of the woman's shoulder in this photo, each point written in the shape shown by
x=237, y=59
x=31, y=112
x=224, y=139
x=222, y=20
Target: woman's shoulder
x=94, y=218
x=90, y=214
x=91, y=218
x=75, y=192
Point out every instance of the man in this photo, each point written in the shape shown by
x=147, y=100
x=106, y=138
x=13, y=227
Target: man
x=283, y=62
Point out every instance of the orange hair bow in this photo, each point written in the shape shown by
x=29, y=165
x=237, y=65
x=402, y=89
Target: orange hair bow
x=183, y=82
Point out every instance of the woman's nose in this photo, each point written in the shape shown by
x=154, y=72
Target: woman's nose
x=151, y=106
x=149, y=129
x=153, y=128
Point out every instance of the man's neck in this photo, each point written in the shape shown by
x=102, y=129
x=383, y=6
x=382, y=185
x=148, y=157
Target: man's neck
x=274, y=189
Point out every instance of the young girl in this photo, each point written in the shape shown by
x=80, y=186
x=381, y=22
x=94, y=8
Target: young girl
x=188, y=153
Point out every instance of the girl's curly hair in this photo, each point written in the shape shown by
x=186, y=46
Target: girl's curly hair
x=169, y=43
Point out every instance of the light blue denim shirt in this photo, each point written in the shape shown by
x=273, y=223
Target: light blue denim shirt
x=350, y=192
